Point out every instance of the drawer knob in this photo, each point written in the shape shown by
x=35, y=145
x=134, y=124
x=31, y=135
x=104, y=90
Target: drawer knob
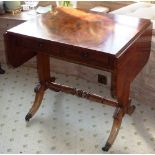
x=84, y=55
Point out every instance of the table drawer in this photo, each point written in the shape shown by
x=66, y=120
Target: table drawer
x=84, y=56
x=38, y=45
x=65, y=52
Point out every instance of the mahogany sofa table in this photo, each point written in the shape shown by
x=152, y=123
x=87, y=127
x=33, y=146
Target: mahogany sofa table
x=123, y=52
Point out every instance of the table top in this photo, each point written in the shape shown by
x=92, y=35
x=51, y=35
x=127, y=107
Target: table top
x=117, y=33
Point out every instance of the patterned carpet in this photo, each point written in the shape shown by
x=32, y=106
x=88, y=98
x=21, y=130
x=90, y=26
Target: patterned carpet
x=66, y=123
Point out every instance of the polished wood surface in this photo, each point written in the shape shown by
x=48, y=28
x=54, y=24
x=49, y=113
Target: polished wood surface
x=78, y=27
x=123, y=49
x=124, y=29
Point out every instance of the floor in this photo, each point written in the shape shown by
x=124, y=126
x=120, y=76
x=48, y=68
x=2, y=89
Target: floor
x=65, y=123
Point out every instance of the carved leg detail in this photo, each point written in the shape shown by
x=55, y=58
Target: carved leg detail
x=118, y=115
x=37, y=102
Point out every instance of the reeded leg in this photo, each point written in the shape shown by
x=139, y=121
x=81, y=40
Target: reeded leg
x=37, y=103
x=118, y=116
